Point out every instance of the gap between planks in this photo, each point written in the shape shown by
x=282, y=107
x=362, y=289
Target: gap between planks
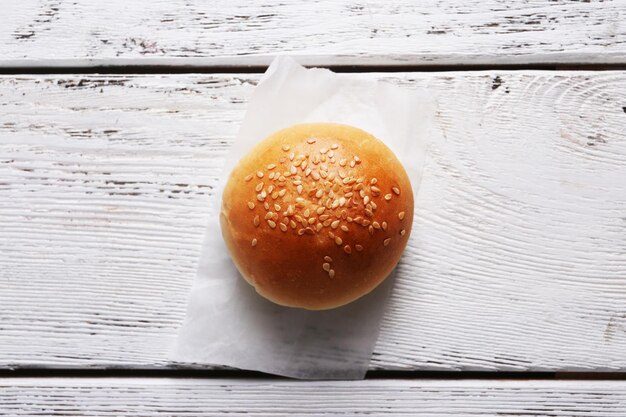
x=36, y=372
x=181, y=68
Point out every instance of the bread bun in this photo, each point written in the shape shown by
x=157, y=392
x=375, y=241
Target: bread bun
x=317, y=215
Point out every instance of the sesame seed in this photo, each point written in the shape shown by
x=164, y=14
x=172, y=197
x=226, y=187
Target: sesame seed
x=374, y=206
x=324, y=217
x=347, y=249
x=338, y=240
x=260, y=197
x=331, y=154
x=315, y=175
x=344, y=227
x=292, y=224
x=402, y=232
x=331, y=235
x=283, y=227
x=366, y=199
x=326, y=266
x=335, y=224
x=318, y=227
x=328, y=259
x=334, y=146
x=343, y=162
x=396, y=190
x=310, y=141
x=386, y=241
x=285, y=148
x=384, y=225
x=331, y=273
x=299, y=189
x=291, y=156
x=371, y=230
x=341, y=173
x=270, y=189
x=254, y=242
x=277, y=207
x=304, y=164
x=259, y=174
x=266, y=206
x=357, y=159
x=256, y=220
x=297, y=162
x=359, y=248
x=373, y=181
x=312, y=220
x=300, y=232
x=376, y=225
x=268, y=215
x=320, y=210
x=352, y=164
x=323, y=174
x=272, y=223
x=387, y=197
x=259, y=186
x=250, y=205
x=375, y=190
x=365, y=222
x=323, y=151
x=282, y=192
x=248, y=178
x=307, y=172
x=349, y=219
x=309, y=231
x=401, y=215
x=369, y=212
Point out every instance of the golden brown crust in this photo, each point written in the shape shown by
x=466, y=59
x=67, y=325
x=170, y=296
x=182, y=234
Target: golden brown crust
x=317, y=215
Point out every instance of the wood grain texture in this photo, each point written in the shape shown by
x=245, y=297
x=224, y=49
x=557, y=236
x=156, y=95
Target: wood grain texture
x=517, y=261
x=403, y=32
x=188, y=397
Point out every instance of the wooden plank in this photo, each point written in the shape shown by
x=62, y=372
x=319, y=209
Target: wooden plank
x=235, y=33
x=193, y=397
x=517, y=261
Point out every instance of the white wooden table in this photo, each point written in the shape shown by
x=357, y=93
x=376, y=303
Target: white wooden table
x=114, y=121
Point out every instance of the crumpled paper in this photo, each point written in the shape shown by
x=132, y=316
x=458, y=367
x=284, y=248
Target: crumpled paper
x=227, y=323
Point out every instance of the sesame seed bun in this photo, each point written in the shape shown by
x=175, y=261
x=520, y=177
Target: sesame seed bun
x=317, y=215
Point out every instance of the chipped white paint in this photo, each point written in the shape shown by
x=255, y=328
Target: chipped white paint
x=194, y=397
x=231, y=33
x=517, y=262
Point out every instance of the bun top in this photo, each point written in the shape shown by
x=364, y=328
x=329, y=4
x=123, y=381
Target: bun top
x=317, y=215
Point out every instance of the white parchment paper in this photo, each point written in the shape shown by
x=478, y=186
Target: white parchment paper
x=227, y=323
